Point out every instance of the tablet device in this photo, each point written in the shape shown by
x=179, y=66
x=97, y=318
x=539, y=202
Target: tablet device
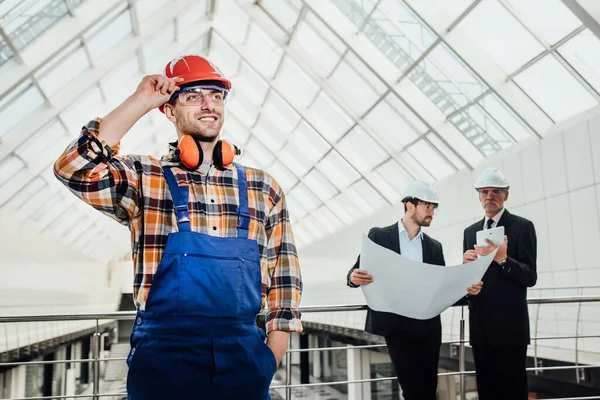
x=496, y=235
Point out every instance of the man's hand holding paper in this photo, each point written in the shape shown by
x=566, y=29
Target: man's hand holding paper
x=415, y=289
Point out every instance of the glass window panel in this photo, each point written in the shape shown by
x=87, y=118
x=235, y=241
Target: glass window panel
x=259, y=152
x=410, y=117
x=283, y=175
x=320, y=185
x=453, y=9
x=330, y=119
x=311, y=145
x=507, y=118
x=316, y=47
x=459, y=73
x=325, y=32
x=553, y=24
x=498, y=33
x=357, y=92
x=295, y=84
x=366, y=197
x=82, y=109
x=301, y=234
x=195, y=13
x=481, y=130
x=365, y=73
x=554, y=89
x=338, y=170
x=48, y=206
x=390, y=180
x=439, y=88
x=281, y=113
x=234, y=130
x=294, y=158
x=269, y=132
x=389, y=127
x=405, y=28
x=153, y=48
x=15, y=107
x=113, y=81
x=235, y=17
x=413, y=167
x=49, y=135
x=284, y=12
x=262, y=52
x=24, y=195
x=345, y=209
x=362, y=150
x=70, y=66
x=445, y=150
x=252, y=84
x=243, y=107
x=145, y=8
x=356, y=11
x=67, y=221
x=329, y=220
x=108, y=37
x=315, y=227
x=307, y=197
x=9, y=168
x=583, y=53
x=430, y=159
x=297, y=208
x=224, y=56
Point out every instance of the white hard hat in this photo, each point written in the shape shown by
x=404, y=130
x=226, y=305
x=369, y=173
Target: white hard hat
x=421, y=191
x=491, y=177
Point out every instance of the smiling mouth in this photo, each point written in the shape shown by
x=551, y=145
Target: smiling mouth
x=207, y=119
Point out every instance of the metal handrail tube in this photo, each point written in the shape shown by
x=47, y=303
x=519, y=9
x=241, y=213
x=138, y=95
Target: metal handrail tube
x=389, y=378
x=73, y=396
x=62, y=361
x=315, y=349
x=125, y=315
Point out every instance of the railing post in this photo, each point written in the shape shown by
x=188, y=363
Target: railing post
x=96, y=356
x=288, y=371
x=461, y=353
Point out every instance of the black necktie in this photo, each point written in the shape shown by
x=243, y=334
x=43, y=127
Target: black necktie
x=489, y=223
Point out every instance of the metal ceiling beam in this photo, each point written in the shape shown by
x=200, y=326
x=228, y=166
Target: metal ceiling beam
x=88, y=79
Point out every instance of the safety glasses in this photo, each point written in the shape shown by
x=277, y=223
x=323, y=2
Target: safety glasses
x=196, y=95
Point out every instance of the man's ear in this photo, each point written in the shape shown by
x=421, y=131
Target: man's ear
x=169, y=110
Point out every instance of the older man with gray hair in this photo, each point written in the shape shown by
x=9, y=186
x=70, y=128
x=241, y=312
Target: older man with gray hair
x=499, y=319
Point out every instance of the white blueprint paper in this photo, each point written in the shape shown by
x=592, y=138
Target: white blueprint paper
x=414, y=289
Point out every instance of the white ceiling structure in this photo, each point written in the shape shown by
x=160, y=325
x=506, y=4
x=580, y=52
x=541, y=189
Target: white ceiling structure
x=342, y=101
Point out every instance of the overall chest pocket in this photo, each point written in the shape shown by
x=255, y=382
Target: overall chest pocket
x=211, y=286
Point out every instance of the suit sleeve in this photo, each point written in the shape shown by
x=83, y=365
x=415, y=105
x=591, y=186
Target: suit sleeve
x=357, y=263
x=523, y=270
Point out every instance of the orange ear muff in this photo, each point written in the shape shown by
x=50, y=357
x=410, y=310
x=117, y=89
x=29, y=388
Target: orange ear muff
x=225, y=153
x=190, y=153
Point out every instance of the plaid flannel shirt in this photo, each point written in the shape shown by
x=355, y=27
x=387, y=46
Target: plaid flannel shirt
x=132, y=190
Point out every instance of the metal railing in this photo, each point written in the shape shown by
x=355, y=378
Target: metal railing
x=288, y=386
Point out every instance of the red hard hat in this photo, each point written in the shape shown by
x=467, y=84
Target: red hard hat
x=194, y=68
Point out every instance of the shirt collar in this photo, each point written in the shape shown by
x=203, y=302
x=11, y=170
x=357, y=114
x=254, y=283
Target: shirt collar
x=401, y=229
x=496, y=217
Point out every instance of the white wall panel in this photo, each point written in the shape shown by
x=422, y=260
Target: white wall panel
x=553, y=163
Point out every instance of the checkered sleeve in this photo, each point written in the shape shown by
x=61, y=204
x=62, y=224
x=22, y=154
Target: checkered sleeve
x=285, y=289
x=93, y=172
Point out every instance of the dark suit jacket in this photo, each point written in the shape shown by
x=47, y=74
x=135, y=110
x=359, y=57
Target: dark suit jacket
x=498, y=315
x=383, y=323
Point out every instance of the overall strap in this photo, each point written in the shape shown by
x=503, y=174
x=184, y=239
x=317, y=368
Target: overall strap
x=180, y=196
x=243, y=214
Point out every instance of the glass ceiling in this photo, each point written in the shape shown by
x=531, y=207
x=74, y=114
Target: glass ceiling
x=342, y=101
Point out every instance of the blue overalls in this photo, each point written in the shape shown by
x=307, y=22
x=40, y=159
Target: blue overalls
x=197, y=338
